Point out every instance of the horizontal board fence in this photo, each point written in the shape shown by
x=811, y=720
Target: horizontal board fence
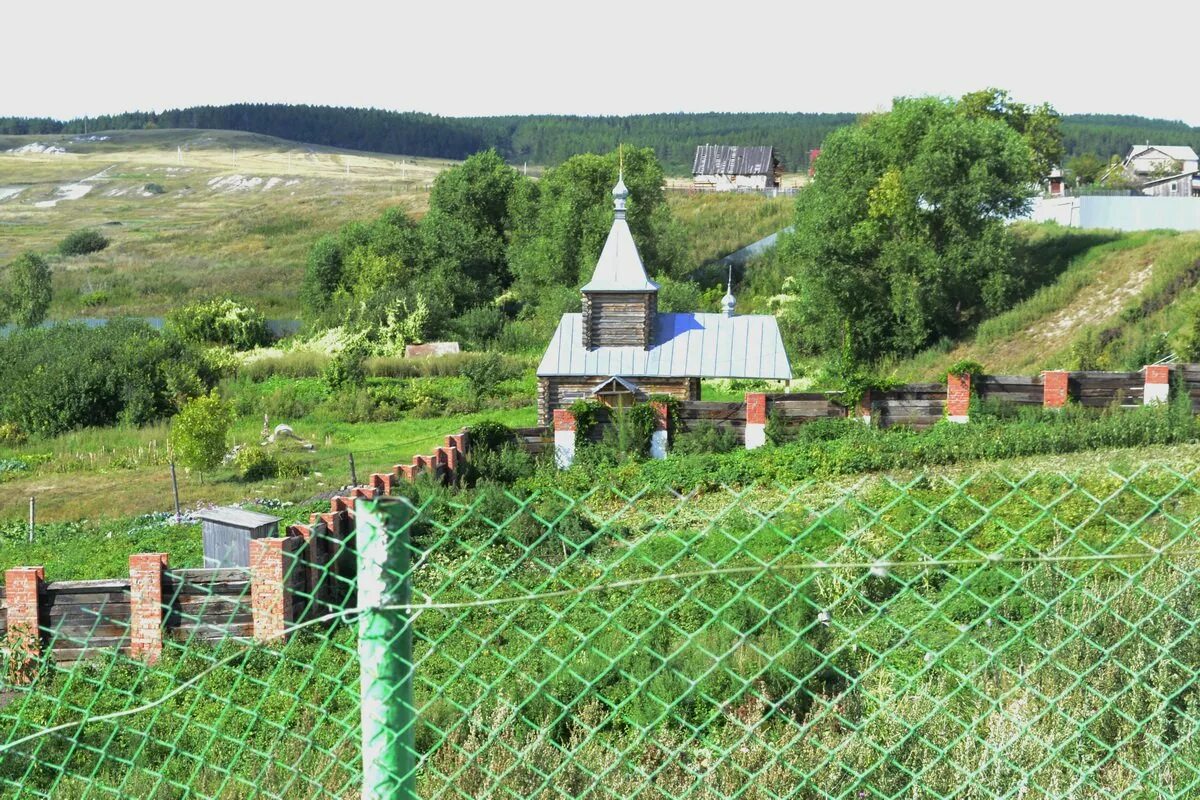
x=86, y=614
x=301, y=576
x=917, y=405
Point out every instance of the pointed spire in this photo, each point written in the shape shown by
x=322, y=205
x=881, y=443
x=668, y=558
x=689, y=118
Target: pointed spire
x=620, y=268
x=728, y=302
x=620, y=193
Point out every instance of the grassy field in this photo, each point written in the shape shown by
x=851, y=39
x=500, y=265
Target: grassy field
x=236, y=214
x=114, y=473
x=716, y=224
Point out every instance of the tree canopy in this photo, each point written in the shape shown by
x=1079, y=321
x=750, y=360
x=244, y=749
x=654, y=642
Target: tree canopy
x=493, y=245
x=901, y=238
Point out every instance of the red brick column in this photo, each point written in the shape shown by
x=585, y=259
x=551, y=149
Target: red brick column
x=1158, y=384
x=756, y=420
x=958, y=397
x=564, y=438
x=660, y=438
x=22, y=588
x=146, y=604
x=865, y=406
x=270, y=592
x=1056, y=388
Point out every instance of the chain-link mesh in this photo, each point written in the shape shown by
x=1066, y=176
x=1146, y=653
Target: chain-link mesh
x=995, y=636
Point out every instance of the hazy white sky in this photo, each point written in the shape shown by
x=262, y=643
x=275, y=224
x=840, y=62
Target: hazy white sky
x=71, y=58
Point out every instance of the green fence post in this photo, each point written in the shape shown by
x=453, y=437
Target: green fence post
x=385, y=649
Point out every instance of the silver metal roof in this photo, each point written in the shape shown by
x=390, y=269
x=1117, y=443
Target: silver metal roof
x=236, y=517
x=685, y=345
x=620, y=268
x=1179, y=152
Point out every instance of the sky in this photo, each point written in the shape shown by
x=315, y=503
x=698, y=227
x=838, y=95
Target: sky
x=571, y=57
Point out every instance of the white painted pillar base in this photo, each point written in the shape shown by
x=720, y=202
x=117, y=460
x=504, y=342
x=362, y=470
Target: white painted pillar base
x=658, y=444
x=756, y=435
x=564, y=449
x=958, y=418
x=1156, y=393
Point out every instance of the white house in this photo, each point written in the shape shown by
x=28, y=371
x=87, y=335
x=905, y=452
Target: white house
x=1160, y=160
x=729, y=167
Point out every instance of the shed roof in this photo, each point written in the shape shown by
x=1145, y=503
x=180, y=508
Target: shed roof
x=732, y=159
x=684, y=346
x=237, y=517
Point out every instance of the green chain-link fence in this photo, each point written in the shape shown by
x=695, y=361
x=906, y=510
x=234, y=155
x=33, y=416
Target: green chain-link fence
x=995, y=636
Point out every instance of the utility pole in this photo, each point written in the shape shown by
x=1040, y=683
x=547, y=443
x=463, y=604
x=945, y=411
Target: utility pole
x=32, y=516
x=175, y=489
x=353, y=474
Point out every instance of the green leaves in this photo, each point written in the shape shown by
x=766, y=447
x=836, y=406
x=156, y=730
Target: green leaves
x=902, y=233
x=199, y=432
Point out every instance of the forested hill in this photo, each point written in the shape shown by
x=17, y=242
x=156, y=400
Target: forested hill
x=551, y=139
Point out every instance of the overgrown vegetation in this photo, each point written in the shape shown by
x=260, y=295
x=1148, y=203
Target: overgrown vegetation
x=56, y=379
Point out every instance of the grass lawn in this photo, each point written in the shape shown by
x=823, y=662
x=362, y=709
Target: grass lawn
x=116, y=473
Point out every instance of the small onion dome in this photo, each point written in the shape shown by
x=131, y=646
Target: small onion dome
x=728, y=302
x=619, y=195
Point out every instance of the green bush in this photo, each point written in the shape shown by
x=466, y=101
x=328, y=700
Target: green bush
x=254, y=463
x=82, y=242
x=199, y=432
x=70, y=376
x=485, y=373
x=221, y=322
x=154, y=188
x=480, y=327
x=346, y=368
x=704, y=437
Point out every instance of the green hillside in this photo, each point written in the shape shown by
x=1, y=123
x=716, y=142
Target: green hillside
x=1121, y=303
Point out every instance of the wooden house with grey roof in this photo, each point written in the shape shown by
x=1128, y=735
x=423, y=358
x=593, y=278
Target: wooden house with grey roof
x=621, y=350
x=729, y=167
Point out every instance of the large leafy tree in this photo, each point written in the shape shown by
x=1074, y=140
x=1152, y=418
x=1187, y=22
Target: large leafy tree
x=1039, y=126
x=562, y=221
x=26, y=294
x=901, y=238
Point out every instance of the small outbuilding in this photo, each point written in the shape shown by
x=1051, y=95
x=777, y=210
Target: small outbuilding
x=227, y=533
x=729, y=167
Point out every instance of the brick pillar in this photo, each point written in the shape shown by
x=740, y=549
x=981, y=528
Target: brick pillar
x=660, y=438
x=1056, y=388
x=756, y=420
x=564, y=438
x=270, y=592
x=1158, y=384
x=865, y=405
x=146, y=604
x=958, y=397
x=22, y=595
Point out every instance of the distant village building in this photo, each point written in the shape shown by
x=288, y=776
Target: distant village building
x=1055, y=183
x=621, y=350
x=728, y=167
x=1162, y=170
x=1152, y=161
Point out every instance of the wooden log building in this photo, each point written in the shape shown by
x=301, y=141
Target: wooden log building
x=621, y=350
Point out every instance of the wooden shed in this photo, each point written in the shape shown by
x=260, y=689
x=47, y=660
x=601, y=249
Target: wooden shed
x=227, y=533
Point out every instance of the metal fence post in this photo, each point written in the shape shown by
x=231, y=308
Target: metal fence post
x=385, y=649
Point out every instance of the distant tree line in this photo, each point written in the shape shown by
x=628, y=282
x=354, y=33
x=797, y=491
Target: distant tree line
x=551, y=140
